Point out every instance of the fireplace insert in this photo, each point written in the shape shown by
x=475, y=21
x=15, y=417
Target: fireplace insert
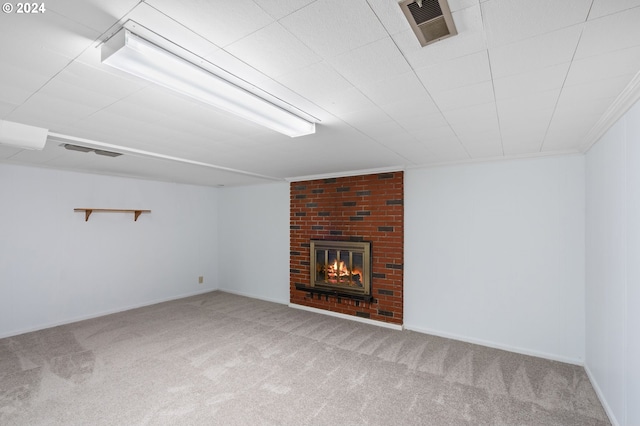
x=341, y=267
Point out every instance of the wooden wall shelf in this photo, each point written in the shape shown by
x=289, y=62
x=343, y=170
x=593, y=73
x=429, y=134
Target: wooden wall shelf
x=87, y=212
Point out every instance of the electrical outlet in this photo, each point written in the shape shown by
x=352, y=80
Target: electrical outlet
x=200, y=279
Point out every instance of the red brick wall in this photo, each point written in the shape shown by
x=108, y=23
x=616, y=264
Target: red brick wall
x=357, y=208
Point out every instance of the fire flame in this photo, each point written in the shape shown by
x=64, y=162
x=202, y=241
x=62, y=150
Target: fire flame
x=339, y=270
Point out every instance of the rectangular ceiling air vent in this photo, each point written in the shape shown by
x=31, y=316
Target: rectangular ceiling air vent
x=72, y=147
x=430, y=20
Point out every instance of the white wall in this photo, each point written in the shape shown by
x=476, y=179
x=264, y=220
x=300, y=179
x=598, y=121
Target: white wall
x=613, y=268
x=494, y=254
x=254, y=241
x=57, y=268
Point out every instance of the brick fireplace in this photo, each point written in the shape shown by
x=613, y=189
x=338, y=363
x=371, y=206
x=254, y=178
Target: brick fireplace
x=367, y=208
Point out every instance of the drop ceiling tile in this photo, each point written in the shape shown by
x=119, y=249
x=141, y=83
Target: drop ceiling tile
x=132, y=110
x=5, y=107
x=315, y=82
x=508, y=21
x=7, y=152
x=81, y=161
x=318, y=84
x=434, y=136
x=605, y=88
x=459, y=72
x=528, y=112
x=17, y=84
x=98, y=16
x=164, y=25
x=478, y=118
x=469, y=133
x=281, y=8
x=214, y=131
x=535, y=129
x=42, y=62
x=542, y=51
x=210, y=123
x=526, y=138
x=44, y=110
x=75, y=95
x=363, y=119
x=140, y=167
x=425, y=125
x=159, y=102
x=34, y=50
x=414, y=153
x=523, y=105
x=344, y=149
x=570, y=108
x=273, y=50
x=573, y=121
x=569, y=138
x=532, y=82
x=462, y=97
x=385, y=132
x=442, y=51
x=221, y=22
x=413, y=113
x=455, y=5
x=51, y=151
x=94, y=80
x=482, y=144
x=333, y=27
x=519, y=143
x=605, y=66
x=610, y=33
x=350, y=100
x=402, y=88
x=112, y=126
x=401, y=139
x=447, y=149
x=470, y=39
x=368, y=64
x=601, y=8
x=36, y=38
x=390, y=15
x=468, y=19
x=537, y=125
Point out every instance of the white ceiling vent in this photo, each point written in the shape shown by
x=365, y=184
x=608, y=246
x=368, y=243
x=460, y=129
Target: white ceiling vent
x=430, y=20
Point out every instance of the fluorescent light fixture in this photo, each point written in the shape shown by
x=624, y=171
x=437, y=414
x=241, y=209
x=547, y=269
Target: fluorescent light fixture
x=133, y=54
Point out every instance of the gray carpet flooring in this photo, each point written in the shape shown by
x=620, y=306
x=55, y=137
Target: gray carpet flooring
x=224, y=359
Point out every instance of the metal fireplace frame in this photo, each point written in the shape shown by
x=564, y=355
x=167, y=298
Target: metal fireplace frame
x=341, y=247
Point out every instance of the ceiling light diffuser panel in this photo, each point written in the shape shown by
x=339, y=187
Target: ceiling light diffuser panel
x=135, y=55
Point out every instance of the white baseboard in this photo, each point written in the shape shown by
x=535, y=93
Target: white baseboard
x=345, y=316
x=103, y=313
x=574, y=361
x=253, y=296
x=603, y=401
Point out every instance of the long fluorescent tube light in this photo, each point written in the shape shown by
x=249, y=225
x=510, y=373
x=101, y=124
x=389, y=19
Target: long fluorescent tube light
x=133, y=54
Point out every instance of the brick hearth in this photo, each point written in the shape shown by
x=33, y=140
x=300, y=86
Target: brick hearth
x=354, y=208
